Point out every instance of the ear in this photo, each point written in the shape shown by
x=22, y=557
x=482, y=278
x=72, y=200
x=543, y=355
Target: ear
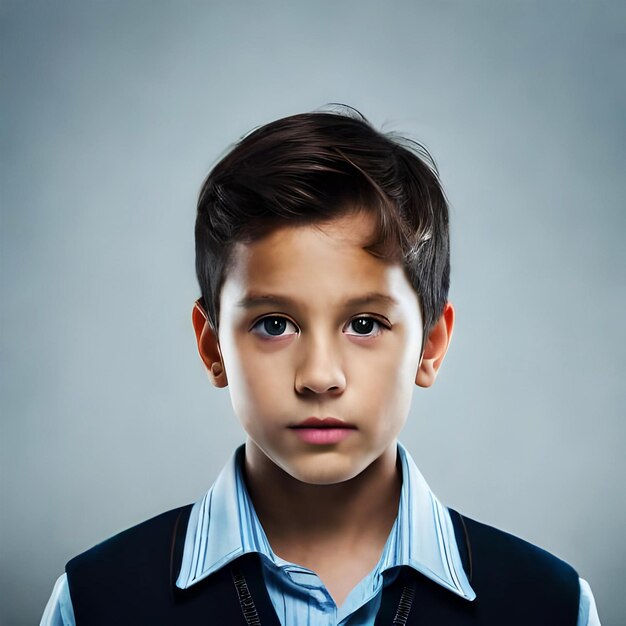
x=436, y=348
x=208, y=346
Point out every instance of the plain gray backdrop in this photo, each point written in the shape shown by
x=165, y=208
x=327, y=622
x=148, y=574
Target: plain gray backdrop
x=112, y=114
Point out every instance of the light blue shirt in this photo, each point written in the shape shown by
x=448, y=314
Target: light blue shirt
x=223, y=525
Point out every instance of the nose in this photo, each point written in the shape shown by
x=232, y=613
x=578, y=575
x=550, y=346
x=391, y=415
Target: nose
x=320, y=370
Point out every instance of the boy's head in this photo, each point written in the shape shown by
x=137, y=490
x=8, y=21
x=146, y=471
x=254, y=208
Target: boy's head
x=322, y=256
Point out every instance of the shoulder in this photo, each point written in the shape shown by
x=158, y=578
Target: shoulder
x=494, y=545
x=141, y=545
x=505, y=569
x=131, y=579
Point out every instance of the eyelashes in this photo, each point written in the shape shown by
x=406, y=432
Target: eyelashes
x=278, y=326
x=274, y=326
x=364, y=326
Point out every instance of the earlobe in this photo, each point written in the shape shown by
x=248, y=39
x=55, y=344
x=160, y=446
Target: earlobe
x=208, y=346
x=436, y=347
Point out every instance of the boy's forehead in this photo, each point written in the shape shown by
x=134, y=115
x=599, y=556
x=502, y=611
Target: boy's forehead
x=322, y=262
x=346, y=232
x=309, y=250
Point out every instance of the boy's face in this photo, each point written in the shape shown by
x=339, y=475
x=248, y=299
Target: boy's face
x=313, y=326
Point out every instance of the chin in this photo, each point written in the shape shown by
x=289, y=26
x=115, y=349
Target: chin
x=323, y=471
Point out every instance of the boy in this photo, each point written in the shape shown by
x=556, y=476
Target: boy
x=322, y=257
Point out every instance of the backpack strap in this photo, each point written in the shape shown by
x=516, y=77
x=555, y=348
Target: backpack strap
x=463, y=542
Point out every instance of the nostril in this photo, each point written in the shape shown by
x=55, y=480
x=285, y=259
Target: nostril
x=317, y=390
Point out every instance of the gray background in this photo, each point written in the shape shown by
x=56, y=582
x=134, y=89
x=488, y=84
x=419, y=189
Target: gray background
x=112, y=113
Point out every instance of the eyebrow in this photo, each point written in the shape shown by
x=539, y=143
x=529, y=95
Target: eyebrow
x=253, y=300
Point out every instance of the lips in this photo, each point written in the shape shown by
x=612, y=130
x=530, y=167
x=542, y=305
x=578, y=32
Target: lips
x=326, y=422
x=323, y=432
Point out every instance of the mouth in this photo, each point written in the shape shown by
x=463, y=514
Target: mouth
x=326, y=431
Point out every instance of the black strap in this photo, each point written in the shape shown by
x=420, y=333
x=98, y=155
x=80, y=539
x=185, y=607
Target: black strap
x=397, y=600
x=463, y=542
x=404, y=605
x=254, y=599
x=246, y=602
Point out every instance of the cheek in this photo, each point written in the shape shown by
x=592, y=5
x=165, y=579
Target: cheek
x=386, y=380
x=258, y=383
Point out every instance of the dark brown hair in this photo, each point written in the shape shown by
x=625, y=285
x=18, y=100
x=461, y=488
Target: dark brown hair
x=312, y=167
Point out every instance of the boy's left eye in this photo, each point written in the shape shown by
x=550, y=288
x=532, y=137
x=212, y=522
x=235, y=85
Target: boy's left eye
x=365, y=327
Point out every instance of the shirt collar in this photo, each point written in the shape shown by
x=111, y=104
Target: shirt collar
x=223, y=525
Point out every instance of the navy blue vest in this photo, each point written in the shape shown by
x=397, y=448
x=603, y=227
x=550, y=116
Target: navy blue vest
x=130, y=579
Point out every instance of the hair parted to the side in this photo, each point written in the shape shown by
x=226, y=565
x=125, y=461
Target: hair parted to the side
x=312, y=167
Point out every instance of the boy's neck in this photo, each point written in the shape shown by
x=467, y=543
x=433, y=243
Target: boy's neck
x=298, y=516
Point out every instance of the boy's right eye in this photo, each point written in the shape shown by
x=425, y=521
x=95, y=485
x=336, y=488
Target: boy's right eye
x=274, y=326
